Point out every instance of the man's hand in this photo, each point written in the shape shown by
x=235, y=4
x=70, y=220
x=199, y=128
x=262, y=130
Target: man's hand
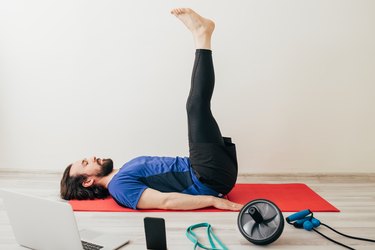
x=221, y=203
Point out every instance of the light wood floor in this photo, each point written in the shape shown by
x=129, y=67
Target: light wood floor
x=354, y=195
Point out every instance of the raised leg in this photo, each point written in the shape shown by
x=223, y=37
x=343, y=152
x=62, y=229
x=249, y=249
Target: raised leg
x=202, y=126
x=212, y=157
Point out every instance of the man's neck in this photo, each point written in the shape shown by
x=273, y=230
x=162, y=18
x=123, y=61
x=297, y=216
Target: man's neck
x=104, y=181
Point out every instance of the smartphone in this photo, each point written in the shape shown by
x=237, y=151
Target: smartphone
x=155, y=233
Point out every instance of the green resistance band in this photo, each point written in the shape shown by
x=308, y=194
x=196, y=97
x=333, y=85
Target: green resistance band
x=211, y=237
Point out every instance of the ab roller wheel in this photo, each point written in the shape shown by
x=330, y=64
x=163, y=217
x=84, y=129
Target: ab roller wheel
x=260, y=222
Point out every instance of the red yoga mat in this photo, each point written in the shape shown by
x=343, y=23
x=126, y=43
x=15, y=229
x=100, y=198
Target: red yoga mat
x=288, y=197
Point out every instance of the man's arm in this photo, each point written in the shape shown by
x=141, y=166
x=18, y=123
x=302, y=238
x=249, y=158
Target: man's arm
x=152, y=198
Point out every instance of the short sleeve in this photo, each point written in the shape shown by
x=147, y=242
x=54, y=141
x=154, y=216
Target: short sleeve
x=127, y=192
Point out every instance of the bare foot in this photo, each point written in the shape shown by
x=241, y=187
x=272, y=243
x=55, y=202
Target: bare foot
x=200, y=27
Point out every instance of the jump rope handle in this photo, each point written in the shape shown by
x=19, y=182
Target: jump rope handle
x=305, y=219
x=299, y=215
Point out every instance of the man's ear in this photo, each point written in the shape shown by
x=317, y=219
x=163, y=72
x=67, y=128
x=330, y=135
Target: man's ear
x=88, y=182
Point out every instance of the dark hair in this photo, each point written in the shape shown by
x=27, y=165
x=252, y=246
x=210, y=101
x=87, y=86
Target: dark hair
x=71, y=188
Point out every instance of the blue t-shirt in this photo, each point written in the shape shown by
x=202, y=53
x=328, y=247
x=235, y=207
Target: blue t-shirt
x=165, y=174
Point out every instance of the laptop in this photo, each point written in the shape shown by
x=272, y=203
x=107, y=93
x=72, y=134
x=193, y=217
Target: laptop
x=44, y=225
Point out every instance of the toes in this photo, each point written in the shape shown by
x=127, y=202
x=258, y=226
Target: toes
x=178, y=11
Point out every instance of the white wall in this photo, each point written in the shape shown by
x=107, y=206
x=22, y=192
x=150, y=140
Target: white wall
x=295, y=82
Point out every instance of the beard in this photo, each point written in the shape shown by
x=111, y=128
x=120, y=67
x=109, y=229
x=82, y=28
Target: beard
x=106, y=167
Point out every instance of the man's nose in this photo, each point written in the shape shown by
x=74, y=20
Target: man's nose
x=93, y=158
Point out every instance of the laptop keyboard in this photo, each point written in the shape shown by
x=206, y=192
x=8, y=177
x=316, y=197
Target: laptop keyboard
x=90, y=246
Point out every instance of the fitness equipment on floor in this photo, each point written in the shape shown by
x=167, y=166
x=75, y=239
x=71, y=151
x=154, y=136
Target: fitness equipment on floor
x=211, y=237
x=305, y=219
x=260, y=222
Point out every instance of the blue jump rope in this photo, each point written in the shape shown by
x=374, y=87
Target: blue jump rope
x=306, y=220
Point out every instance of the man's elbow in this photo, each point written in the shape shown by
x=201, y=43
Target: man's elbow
x=169, y=202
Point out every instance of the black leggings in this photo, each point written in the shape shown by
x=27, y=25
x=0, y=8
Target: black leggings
x=202, y=125
x=213, y=157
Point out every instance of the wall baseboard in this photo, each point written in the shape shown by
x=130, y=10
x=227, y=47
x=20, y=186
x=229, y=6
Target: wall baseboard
x=28, y=171
x=308, y=177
